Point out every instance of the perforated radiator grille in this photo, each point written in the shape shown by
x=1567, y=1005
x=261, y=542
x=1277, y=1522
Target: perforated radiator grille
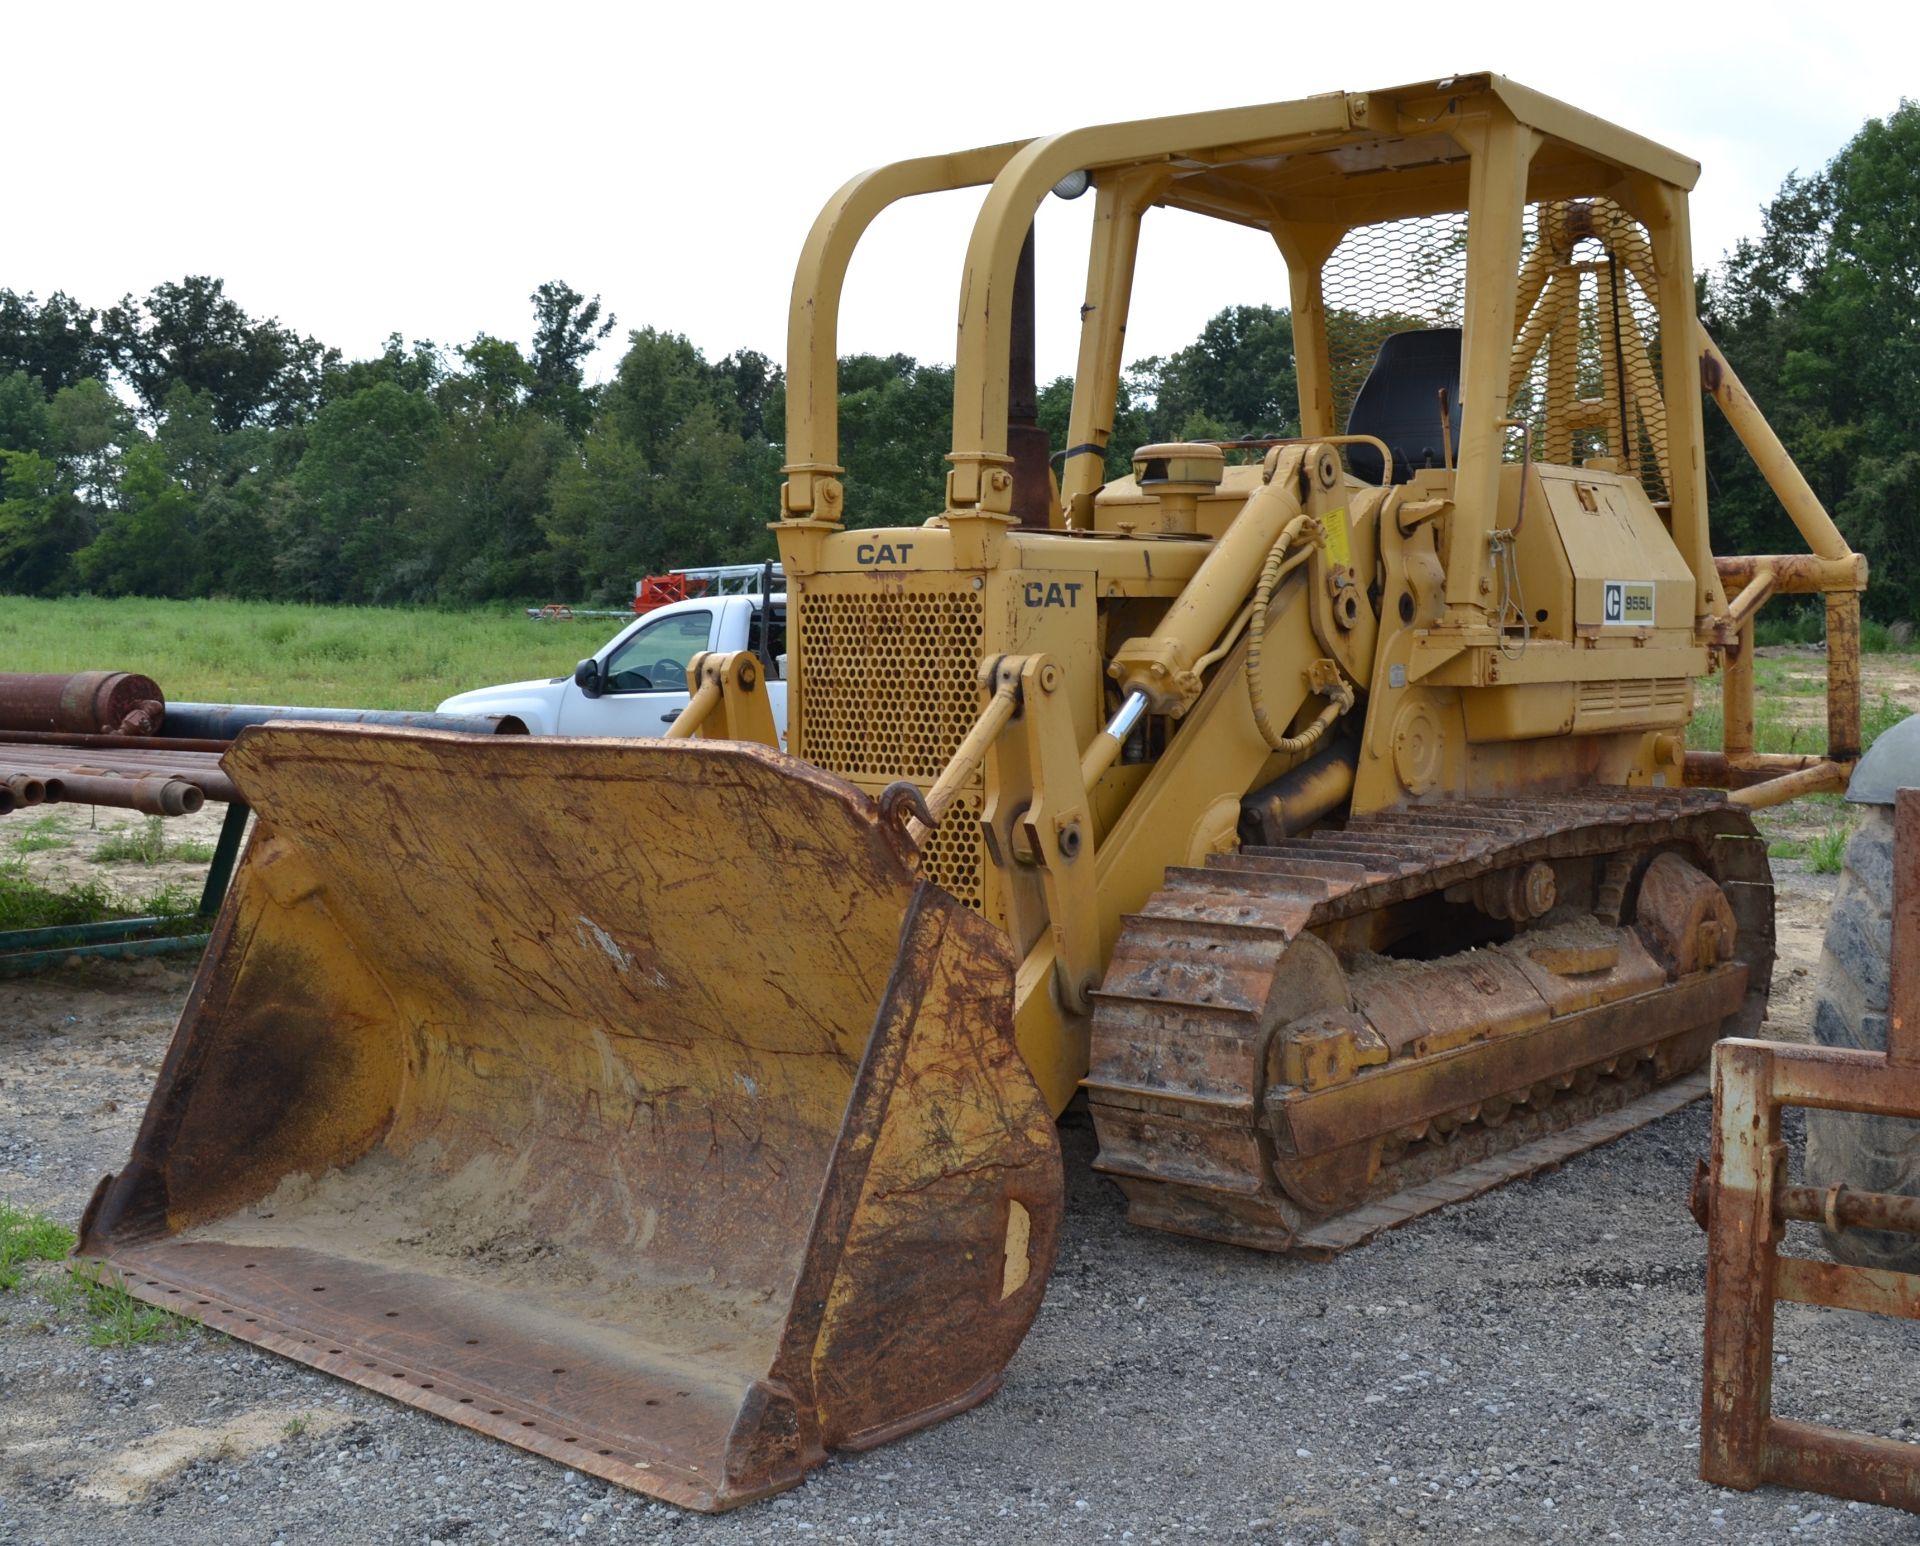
x=890, y=691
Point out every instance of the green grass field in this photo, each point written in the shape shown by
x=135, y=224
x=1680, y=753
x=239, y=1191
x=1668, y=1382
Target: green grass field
x=275, y=652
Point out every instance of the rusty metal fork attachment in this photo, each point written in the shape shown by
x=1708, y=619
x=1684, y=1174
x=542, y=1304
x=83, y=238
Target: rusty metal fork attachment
x=1745, y=1202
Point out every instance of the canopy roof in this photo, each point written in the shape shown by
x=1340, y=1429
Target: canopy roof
x=1382, y=155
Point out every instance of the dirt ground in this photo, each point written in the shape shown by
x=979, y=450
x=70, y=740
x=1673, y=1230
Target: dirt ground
x=1522, y=1368
x=1894, y=676
x=59, y=848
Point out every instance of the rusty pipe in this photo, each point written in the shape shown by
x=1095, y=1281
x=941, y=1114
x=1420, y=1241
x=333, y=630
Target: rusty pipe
x=1750, y=599
x=224, y=721
x=87, y=702
x=26, y=788
x=1737, y=725
x=150, y=796
x=1795, y=574
x=74, y=740
x=1719, y=770
x=1843, y=676
x=1838, y=1207
x=1822, y=778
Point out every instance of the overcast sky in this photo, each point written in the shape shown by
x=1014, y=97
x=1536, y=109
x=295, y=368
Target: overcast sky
x=358, y=170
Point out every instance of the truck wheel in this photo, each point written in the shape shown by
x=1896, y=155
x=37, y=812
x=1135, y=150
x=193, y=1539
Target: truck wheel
x=1868, y=1153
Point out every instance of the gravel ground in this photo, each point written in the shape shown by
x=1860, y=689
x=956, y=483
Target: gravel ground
x=1522, y=1368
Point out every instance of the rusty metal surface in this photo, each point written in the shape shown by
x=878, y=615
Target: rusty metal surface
x=1744, y=1200
x=1342, y=1233
x=1860, y=1466
x=1213, y=1126
x=1840, y=1207
x=541, y=1133
x=1794, y=574
x=1875, y=1290
x=87, y=702
x=1684, y=917
x=1903, y=988
x=1843, y=676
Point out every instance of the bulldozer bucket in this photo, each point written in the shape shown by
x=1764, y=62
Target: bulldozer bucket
x=631, y=1101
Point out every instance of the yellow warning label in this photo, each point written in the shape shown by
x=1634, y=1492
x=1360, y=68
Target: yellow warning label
x=1339, y=548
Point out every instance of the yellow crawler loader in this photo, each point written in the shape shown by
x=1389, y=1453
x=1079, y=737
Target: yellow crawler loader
x=1319, y=806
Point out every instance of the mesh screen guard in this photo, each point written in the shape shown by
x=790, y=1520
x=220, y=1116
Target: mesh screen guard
x=1587, y=350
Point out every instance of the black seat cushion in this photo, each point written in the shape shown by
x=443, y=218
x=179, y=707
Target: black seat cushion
x=1400, y=402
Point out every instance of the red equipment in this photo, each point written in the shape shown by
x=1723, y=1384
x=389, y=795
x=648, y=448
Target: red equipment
x=659, y=590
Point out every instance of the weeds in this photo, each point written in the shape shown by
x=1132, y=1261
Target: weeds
x=26, y=904
x=1879, y=719
x=1791, y=625
x=26, y=1237
x=1773, y=731
x=1827, y=850
x=36, y=835
x=148, y=844
x=1807, y=624
x=115, y=1318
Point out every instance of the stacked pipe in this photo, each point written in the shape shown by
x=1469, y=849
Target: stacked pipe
x=48, y=711
x=154, y=796
x=110, y=738
x=18, y=789
x=172, y=783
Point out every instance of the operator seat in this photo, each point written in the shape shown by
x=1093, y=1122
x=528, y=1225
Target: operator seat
x=1400, y=403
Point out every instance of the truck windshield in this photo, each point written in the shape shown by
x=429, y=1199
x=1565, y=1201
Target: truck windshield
x=655, y=658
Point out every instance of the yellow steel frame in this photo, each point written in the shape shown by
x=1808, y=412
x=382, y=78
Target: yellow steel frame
x=1478, y=143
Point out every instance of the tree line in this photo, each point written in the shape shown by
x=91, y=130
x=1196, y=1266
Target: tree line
x=174, y=445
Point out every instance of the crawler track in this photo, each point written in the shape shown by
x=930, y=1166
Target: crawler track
x=1378, y=936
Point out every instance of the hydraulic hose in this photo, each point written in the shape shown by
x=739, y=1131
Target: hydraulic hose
x=1292, y=745
x=1339, y=700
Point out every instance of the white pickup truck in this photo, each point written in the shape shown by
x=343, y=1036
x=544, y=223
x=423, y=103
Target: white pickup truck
x=637, y=683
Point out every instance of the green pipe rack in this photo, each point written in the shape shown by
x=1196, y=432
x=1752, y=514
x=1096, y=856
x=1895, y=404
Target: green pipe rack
x=23, y=951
